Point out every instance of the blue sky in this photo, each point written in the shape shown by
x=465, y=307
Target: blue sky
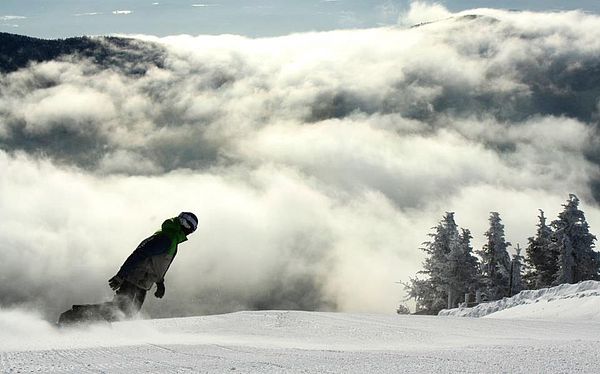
x=63, y=18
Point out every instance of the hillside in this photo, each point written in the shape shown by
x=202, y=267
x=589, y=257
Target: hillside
x=300, y=342
x=127, y=55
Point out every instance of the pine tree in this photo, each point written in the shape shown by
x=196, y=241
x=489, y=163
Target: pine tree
x=542, y=256
x=451, y=268
x=516, y=267
x=463, y=273
x=472, y=267
x=575, y=244
x=496, y=260
x=452, y=272
x=566, y=261
x=431, y=294
x=423, y=292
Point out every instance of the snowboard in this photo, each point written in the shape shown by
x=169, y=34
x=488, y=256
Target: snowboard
x=90, y=313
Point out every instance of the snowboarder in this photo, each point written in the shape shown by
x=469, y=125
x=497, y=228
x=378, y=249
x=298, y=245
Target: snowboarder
x=146, y=266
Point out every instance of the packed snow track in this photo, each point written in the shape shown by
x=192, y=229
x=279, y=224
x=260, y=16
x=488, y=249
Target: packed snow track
x=300, y=342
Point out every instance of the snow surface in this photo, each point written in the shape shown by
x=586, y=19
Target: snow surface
x=566, y=340
x=579, y=301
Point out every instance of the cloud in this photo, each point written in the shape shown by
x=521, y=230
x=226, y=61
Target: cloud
x=11, y=18
x=420, y=12
x=125, y=162
x=87, y=14
x=8, y=20
x=86, y=107
x=280, y=259
x=317, y=162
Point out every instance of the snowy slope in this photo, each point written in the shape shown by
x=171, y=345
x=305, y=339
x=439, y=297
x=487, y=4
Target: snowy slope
x=579, y=301
x=300, y=342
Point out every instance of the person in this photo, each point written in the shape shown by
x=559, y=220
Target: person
x=149, y=262
x=146, y=266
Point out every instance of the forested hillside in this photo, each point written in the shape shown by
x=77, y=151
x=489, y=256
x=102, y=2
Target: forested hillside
x=129, y=55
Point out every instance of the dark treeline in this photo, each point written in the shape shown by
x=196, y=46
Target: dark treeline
x=129, y=55
x=559, y=252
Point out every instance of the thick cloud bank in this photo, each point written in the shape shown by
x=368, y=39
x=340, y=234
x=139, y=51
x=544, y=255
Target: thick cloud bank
x=316, y=162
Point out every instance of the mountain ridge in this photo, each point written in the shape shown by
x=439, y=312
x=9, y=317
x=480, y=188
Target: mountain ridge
x=132, y=56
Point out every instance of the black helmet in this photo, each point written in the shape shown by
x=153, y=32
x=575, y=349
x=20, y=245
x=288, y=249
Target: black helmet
x=188, y=221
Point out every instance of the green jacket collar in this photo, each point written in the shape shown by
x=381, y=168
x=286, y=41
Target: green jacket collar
x=173, y=230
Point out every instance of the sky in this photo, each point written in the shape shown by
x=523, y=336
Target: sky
x=317, y=162
x=65, y=18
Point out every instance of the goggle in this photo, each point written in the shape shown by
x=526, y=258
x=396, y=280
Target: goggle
x=185, y=223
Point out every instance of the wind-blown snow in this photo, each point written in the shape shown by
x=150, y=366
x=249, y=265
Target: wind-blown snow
x=579, y=301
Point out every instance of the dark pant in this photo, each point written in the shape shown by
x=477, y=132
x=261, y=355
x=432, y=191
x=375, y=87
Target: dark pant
x=128, y=301
x=129, y=298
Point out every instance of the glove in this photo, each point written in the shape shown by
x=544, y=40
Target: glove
x=115, y=282
x=160, y=290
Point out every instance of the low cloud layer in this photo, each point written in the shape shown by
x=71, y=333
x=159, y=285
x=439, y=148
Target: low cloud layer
x=317, y=162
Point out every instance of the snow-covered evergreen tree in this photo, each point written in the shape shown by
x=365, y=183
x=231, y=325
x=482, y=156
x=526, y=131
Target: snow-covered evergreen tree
x=423, y=292
x=566, y=261
x=472, y=267
x=463, y=268
x=575, y=244
x=450, y=267
x=516, y=268
x=495, y=260
x=431, y=294
x=542, y=256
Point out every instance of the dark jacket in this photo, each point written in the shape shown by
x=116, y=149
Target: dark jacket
x=151, y=259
